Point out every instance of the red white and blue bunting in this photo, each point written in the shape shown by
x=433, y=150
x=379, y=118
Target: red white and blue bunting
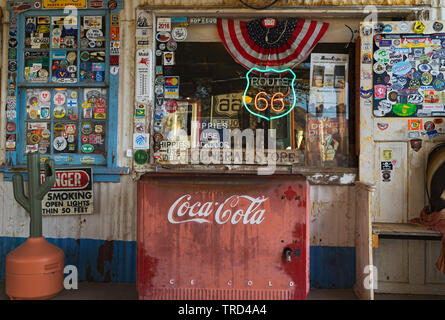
x=288, y=43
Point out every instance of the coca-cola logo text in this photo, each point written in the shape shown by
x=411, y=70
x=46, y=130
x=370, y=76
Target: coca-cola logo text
x=235, y=209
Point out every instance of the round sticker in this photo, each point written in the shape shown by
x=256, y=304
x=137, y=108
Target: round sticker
x=33, y=113
x=141, y=157
x=159, y=80
x=162, y=46
x=60, y=143
x=86, y=128
x=158, y=137
x=378, y=27
x=392, y=96
x=179, y=33
x=71, y=56
x=414, y=84
x=171, y=106
x=94, y=34
x=30, y=27
x=377, y=38
x=419, y=27
x=59, y=99
x=379, y=68
x=159, y=90
x=403, y=26
x=172, y=45
x=437, y=26
x=429, y=126
x=45, y=134
x=98, y=128
x=439, y=85
x=85, y=56
x=34, y=139
x=387, y=28
x=12, y=42
x=45, y=96
x=158, y=53
x=33, y=101
x=59, y=112
x=367, y=30
x=382, y=56
x=12, y=66
x=424, y=67
x=426, y=78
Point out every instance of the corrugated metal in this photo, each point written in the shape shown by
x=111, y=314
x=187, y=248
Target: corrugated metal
x=282, y=3
x=114, y=215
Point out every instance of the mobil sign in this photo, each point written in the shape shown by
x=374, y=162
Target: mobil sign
x=72, y=193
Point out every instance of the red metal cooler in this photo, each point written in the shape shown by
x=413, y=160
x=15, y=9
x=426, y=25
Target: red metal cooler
x=223, y=237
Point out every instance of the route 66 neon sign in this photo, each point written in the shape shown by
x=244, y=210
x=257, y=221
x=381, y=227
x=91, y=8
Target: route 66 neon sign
x=273, y=105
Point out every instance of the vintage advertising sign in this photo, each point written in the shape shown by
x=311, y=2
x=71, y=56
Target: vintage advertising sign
x=143, y=72
x=262, y=222
x=61, y=4
x=71, y=194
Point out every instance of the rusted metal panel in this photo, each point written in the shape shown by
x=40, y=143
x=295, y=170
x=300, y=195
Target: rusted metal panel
x=219, y=237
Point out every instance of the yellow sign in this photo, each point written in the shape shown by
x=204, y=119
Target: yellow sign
x=59, y=4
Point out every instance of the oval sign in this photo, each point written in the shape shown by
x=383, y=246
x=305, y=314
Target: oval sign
x=401, y=68
x=404, y=109
x=163, y=36
x=87, y=148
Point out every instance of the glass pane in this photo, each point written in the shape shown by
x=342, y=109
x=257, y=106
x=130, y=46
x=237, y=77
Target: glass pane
x=205, y=99
x=327, y=120
x=36, y=66
x=65, y=135
x=92, y=66
x=65, y=104
x=38, y=104
x=92, y=32
x=38, y=137
x=94, y=104
x=93, y=137
x=64, y=66
x=64, y=33
x=37, y=32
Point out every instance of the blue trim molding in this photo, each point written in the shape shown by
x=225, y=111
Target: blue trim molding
x=115, y=261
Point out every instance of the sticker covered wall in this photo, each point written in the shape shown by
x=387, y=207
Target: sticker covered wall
x=408, y=75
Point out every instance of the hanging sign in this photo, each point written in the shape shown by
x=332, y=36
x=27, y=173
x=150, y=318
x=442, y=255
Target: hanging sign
x=272, y=96
x=71, y=194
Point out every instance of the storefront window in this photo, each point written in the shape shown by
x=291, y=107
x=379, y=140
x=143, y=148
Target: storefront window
x=203, y=97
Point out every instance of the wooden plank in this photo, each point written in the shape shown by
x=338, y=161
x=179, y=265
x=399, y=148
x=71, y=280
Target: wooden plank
x=402, y=229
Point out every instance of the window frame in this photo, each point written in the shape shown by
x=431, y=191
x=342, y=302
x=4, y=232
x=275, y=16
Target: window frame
x=105, y=170
x=352, y=164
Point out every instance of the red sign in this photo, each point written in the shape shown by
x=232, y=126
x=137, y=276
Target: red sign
x=69, y=179
x=269, y=23
x=231, y=237
x=171, y=106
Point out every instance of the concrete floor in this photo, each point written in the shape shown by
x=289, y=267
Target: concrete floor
x=127, y=291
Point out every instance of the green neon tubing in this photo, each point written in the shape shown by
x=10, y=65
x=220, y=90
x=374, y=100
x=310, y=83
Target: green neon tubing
x=276, y=71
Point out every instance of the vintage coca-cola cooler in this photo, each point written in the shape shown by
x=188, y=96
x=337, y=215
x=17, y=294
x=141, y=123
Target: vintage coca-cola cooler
x=223, y=237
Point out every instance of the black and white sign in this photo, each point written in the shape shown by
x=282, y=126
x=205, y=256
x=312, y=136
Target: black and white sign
x=71, y=194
